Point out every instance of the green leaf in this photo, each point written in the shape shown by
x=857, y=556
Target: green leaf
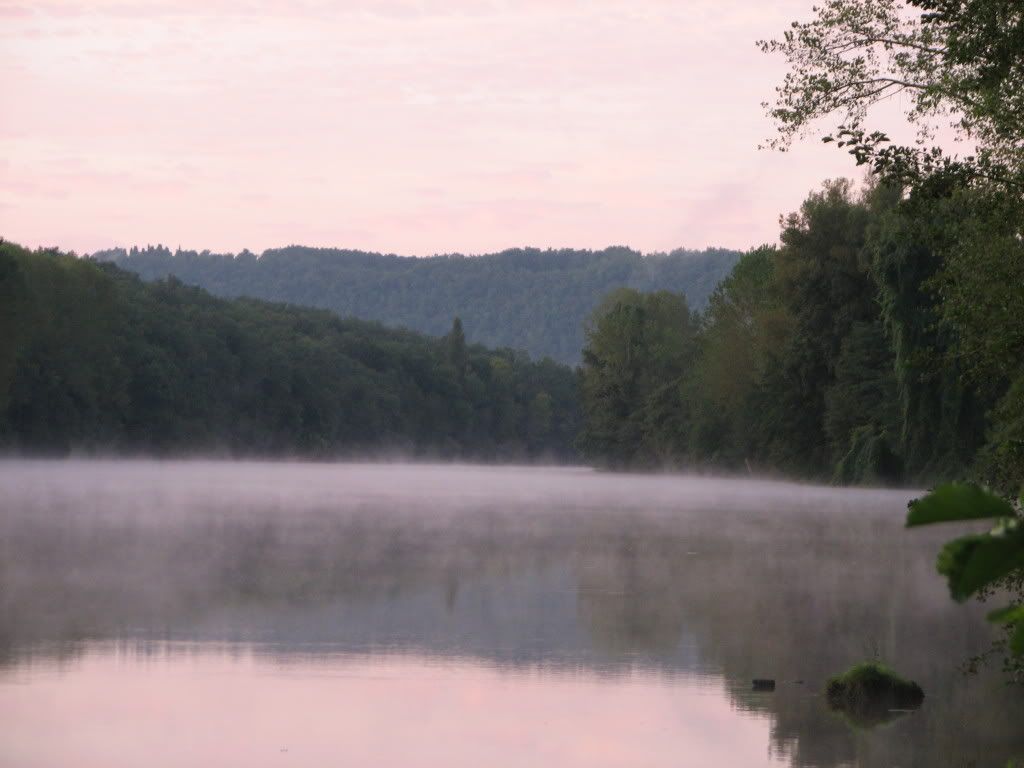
x=957, y=501
x=1017, y=640
x=973, y=562
x=1011, y=614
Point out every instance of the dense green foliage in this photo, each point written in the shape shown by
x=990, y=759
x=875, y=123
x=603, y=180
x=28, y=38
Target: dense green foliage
x=877, y=343
x=640, y=346
x=94, y=359
x=947, y=253
x=525, y=299
x=951, y=62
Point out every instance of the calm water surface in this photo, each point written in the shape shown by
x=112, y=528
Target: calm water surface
x=244, y=614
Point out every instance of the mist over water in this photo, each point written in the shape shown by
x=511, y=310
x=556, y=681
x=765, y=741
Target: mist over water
x=400, y=614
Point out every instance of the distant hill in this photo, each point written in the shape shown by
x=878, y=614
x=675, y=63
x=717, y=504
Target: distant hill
x=525, y=299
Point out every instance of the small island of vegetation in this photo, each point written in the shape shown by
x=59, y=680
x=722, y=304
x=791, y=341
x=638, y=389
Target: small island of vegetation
x=870, y=694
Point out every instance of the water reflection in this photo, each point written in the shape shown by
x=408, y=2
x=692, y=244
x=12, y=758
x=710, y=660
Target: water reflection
x=610, y=603
x=214, y=710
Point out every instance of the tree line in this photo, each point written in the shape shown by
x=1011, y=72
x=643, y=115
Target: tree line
x=526, y=299
x=862, y=349
x=93, y=359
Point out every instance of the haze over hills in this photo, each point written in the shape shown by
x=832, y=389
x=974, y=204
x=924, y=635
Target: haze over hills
x=529, y=299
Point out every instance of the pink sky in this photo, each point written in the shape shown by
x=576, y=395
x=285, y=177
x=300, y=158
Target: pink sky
x=395, y=125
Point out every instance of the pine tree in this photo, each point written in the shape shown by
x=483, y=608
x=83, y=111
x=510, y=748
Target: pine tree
x=457, y=348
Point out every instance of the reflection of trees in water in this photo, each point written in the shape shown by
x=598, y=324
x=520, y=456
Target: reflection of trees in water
x=800, y=600
x=77, y=577
x=627, y=592
x=794, y=595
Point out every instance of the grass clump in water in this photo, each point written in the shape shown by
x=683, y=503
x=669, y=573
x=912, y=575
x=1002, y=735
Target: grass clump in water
x=870, y=694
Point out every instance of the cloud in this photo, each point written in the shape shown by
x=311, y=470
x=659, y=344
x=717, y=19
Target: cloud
x=420, y=126
x=9, y=11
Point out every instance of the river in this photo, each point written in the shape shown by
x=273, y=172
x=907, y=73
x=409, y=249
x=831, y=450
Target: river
x=273, y=614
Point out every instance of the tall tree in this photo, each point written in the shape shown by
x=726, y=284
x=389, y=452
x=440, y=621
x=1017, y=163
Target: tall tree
x=745, y=331
x=639, y=346
x=826, y=287
x=956, y=62
x=456, y=342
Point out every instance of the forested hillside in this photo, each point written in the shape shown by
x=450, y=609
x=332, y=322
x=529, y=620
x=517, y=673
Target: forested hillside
x=527, y=299
x=93, y=359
